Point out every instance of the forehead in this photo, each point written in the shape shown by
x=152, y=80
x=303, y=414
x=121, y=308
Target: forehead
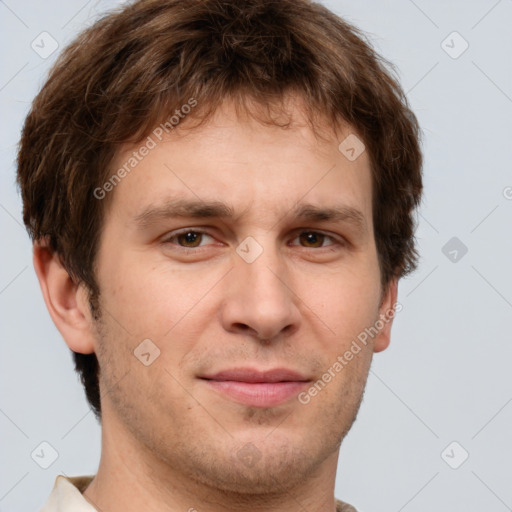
x=238, y=161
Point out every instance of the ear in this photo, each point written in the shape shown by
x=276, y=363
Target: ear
x=67, y=301
x=387, y=311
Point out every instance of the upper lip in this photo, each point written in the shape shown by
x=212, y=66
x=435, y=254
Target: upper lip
x=252, y=375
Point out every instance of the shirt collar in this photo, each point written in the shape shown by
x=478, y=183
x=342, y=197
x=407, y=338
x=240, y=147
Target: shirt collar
x=66, y=495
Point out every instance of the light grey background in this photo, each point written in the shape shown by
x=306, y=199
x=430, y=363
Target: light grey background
x=446, y=376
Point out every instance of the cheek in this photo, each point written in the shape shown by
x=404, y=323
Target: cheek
x=154, y=300
x=346, y=301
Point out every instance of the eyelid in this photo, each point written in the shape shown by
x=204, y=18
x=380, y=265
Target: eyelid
x=336, y=240
x=174, y=234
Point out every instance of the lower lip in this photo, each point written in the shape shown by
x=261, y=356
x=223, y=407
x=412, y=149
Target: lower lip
x=260, y=394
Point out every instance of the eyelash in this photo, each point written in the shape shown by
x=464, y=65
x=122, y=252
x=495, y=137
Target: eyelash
x=167, y=240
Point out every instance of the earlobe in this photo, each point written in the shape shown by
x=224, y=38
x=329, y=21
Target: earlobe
x=66, y=300
x=387, y=312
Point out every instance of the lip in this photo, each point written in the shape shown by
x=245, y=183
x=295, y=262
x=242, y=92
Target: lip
x=257, y=388
x=257, y=376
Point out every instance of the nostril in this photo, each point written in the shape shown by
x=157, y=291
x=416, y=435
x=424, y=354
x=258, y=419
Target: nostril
x=241, y=326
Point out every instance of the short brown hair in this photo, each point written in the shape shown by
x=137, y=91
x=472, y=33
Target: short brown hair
x=124, y=75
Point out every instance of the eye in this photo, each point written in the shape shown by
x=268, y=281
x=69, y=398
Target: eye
x=315, y=239
x=193, y=238
x=187, y=239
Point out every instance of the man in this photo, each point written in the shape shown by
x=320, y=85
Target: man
x=221, y=198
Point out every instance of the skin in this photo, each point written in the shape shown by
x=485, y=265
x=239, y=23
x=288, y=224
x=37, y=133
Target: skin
x=170, y=442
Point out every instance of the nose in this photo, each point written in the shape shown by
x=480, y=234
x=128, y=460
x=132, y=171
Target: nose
x=260, y=300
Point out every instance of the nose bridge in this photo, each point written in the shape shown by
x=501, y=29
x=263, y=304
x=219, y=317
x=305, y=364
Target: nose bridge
x=260, y=265
x=260, y=297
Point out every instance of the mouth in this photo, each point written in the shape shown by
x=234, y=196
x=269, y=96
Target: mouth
x=257, y=388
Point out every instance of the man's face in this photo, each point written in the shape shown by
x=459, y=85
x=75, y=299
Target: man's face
x=292, y=297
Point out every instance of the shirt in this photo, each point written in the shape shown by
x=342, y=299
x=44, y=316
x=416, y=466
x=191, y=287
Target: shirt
x=66, y=496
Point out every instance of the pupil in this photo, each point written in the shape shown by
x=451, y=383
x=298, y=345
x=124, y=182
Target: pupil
x=313, y=238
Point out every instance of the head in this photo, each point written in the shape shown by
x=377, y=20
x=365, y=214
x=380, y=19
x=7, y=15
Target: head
x=240, y=104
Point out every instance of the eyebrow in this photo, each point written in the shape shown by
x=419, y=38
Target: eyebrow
x=345, y=214
x=198, y=209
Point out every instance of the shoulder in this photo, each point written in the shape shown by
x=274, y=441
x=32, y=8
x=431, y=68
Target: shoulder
x=341, y=506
